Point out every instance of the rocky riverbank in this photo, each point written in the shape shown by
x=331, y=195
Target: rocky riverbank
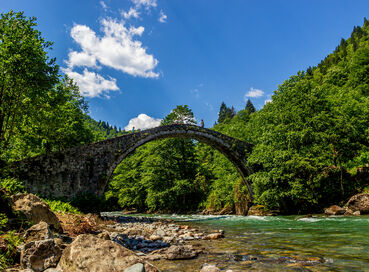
x=76, y=242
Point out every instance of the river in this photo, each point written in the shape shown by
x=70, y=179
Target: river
x=279, y=243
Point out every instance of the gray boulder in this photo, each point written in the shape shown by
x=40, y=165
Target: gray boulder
x=40, y=255
x=35, y=210
x=359, y=202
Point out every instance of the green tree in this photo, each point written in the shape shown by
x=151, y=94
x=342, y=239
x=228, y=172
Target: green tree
x=250, y=107
x=26, y=73
x=182, y=114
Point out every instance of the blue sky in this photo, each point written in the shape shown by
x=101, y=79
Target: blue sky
x=136, y=60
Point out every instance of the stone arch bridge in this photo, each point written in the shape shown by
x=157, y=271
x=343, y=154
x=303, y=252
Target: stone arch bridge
x=88, y=168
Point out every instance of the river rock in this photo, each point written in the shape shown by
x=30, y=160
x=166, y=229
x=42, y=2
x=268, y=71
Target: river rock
x=359, y=202
x=90, y=253
x=209, y=268
x=214, y=236
x=40, y=255
x=180, y=252
x=35, y=210
x=334, y=210
x=258, y=210
x=357, y=213
x=40, y=231
x=138, y=267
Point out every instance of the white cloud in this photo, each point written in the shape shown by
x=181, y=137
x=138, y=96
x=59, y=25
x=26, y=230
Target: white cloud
x=91, y=84
x=163, y=17
x=103, y=5
x=142, y=121
x=254, y=93
x=116, y=49
x=267, y=101
x=81, y=59
x=144, y=3
x=131, y=13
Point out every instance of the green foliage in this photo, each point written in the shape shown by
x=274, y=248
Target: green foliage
x=250, y=108
x=225, y=113
x=182, y=114
x=3, y=221
x=102, y=130
x=12, y=185
x=162, y=175
x=12, y=241
x=27, y=74
x=61, y=206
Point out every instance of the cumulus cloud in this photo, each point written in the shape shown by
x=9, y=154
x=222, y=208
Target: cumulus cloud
x=144, y=3
x=163, y=17
x=81, y=59
x=254, y=93
x=131, y=13
x=142, y=121
x=92, y=84
x=116, y=48
x=267, y=101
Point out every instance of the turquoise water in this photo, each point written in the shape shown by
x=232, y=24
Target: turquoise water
x=283, y=243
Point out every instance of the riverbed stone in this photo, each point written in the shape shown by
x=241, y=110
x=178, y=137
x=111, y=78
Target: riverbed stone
x=214, y=236
x=359, y=202
x=209, y=268
x=138, y=267
x=180, y=252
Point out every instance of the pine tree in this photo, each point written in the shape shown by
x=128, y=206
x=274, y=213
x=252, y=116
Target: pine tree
x=249, y=107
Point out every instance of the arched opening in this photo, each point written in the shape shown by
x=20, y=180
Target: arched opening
x=227, y=148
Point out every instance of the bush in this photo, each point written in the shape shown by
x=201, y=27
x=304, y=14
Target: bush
x=60, y=206
x=8, y=254
x=12, y=185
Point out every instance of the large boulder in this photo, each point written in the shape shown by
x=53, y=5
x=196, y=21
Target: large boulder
x=259, y=210
x=35, y=210
x=40, y=231
x=40, y=255
x=335, y=210
x=359, y=202
x=90, y=253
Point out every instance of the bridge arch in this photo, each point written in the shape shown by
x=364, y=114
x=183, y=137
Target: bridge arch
x=233, y=149
x=89, y=167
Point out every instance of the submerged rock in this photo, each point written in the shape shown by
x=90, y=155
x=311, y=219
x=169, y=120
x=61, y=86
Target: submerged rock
x=209, y=268
x=359, y=202
x=35, y=210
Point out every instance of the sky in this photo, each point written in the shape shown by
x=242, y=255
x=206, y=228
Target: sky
x=136, y=60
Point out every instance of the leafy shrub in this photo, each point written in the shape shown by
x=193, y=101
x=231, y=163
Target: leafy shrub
x=9, y=241
x=60, y=206
x=12, y=185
